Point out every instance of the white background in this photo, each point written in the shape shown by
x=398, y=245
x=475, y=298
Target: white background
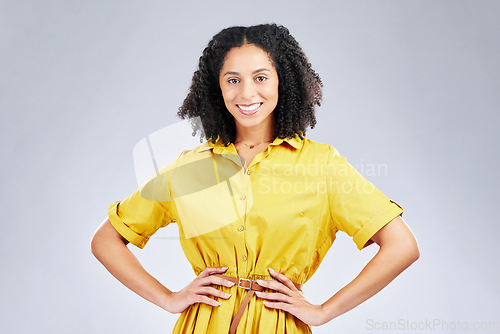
x=412, y=85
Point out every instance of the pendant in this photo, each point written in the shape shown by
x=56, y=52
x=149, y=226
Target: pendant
x=252, y=146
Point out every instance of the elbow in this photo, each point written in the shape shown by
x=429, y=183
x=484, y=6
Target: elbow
x=412, y=252
x=94, y=244
x=416, y=252
x=405, y=252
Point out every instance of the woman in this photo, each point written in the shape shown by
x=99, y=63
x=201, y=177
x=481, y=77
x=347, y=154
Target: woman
x=258, y=205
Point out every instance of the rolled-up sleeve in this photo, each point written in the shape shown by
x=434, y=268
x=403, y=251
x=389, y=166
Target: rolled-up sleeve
x=142, y=213
x=357, y=207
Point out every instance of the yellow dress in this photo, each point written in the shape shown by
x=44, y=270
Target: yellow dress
x=283, y=212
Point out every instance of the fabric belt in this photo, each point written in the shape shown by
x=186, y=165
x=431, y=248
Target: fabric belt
x=251, y=286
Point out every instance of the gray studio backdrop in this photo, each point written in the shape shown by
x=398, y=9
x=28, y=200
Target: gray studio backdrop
x=412, y=86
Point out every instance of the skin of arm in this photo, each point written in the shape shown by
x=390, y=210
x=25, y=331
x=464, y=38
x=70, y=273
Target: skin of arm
x=398, y=250
x=110, y=248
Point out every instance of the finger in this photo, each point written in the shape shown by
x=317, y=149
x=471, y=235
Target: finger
x=274, y=285
x=212, y=270
x=213, y=292
x=278, y=305
x=206, y=300
x=273, y=296
x=283, y=279
x=217, y=281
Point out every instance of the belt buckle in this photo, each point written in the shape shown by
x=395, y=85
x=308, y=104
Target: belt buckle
x=244, y=279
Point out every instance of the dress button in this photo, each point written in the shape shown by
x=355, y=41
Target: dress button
x=244, y=258
x=240, y=228
x=243, y=197
x=249, y=172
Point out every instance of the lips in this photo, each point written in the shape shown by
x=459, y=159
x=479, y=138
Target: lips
x=249, y=109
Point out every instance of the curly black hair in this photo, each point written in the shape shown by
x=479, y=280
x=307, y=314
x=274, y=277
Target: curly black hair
x=299, y=89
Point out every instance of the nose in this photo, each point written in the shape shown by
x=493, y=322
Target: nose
x=248, y=91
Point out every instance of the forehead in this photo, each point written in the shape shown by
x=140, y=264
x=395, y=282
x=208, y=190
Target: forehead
x=246, y=56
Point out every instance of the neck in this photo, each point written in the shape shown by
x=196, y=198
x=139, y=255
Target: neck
x=255, y=134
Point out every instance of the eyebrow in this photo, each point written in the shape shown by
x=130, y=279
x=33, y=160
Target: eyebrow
x=254, y=72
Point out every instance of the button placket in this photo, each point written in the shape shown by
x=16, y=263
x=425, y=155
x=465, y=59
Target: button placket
x=244, y=198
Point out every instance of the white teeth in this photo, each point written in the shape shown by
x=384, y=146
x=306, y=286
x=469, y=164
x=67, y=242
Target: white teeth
x=249, y=108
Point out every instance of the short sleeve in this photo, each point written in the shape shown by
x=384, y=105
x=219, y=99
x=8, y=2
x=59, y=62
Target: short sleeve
x=357, y=207
x=142, y=213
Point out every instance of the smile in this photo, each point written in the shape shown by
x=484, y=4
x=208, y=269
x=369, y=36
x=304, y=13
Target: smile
x=249, y=109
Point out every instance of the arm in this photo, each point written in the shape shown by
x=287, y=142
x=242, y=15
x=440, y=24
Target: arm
x=110, y=248
x=398, y=250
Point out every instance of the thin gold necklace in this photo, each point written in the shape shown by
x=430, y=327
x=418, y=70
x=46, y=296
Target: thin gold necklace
x=253, y=145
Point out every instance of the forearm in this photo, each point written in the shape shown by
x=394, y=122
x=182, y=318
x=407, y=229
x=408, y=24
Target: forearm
x=386, y=265
x=113, y=253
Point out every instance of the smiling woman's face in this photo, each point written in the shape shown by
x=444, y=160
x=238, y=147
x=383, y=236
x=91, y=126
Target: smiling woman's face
x=249, y=85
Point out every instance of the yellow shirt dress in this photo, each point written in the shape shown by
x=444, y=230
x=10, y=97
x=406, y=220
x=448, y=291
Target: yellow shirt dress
x=282, y=212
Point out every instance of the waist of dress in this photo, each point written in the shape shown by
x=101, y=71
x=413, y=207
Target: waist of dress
x=249, y=284
x=236, y=274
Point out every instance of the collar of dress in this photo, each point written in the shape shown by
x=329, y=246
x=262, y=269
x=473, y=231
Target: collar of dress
x=219, y=148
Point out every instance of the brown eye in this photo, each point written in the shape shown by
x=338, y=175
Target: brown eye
x=233, y=81
x=261, y=78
